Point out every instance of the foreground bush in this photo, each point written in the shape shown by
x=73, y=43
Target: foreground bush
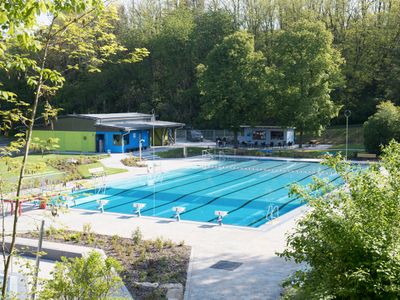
x=350, y=238
x=83, y=278
x=382, y=127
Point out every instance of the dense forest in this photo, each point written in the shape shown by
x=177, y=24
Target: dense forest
x=182, y=35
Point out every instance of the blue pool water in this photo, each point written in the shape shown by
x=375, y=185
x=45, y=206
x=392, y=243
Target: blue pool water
x=246, y=189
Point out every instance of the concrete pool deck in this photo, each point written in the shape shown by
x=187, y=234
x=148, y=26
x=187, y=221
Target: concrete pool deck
x=259, y=276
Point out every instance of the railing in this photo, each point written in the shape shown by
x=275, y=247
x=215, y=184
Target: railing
x=221, y=155
x=210, y=135
x=207, y=154
x=272, y=212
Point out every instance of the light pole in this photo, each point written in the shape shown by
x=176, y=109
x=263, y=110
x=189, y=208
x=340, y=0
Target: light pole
x=347, y=114
x=140, y=149
x=123, y=142
x=153, y=120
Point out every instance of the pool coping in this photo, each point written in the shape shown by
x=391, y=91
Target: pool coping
x=265, y=227
x=170, y=220
x=315, y=160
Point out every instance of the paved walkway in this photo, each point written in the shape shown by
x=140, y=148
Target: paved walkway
x=258, y=277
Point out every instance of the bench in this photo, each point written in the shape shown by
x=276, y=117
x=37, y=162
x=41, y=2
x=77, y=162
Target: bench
x=313, y=143
x=366, y=155
x=97, y=171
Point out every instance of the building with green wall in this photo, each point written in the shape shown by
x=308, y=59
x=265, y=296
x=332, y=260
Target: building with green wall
x=116, y=132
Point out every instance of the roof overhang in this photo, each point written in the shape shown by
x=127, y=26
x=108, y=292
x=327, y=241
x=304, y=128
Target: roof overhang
x=266, y=127
x=141, y=125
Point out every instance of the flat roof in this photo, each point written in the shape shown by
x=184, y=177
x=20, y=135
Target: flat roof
x=110, y=115
x=266, y=126
x=139, y=125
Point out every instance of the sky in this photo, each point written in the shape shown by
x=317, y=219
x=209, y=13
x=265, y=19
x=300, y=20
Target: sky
x=44, y=19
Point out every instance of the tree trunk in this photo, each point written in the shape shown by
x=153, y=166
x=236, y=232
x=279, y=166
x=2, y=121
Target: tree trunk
x=23, y=167
x=235, y=139
x=301, y=138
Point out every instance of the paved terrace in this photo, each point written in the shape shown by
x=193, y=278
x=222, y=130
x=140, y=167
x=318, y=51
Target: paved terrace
x=258, y=277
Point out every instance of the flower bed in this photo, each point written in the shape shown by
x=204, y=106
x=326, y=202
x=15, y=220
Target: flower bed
x=155, y=261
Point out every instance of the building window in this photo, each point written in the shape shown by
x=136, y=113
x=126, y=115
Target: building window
x=276, y=135
x=126, y=139
x=259, y=135
x=117, y=140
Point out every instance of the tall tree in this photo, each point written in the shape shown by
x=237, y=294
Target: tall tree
x=306, y=69
x=210, y=29
x=232, y=83
x=74, y=35
x=172, y=71
x=382, y=127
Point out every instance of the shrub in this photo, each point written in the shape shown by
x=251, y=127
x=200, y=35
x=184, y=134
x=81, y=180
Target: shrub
x=132, y=161
x=137, y=236
x=159, y=243
x=75, y=236
x=382, y=127
x=88, y=233
x=83, y=278
x=350, y=238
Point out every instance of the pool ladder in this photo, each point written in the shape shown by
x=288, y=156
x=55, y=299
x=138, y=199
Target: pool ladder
x=221, y=155
x=207, y=154
x=272, y=212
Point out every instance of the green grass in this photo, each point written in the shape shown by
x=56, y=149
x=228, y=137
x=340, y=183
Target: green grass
x=359, y=147
x=336, y=135
x=84, y=169
x=32, y=159
x=39, y=159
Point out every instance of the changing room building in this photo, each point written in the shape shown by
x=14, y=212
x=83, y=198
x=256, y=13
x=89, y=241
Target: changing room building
x=113, y=132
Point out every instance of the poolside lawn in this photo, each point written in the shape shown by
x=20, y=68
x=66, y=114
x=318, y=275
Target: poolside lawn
x=350, y=146
x=336, y=135
x=84, y=169
x=34, y=159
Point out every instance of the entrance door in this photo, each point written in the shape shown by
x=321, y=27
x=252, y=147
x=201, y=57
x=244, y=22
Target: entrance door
x=100, y=143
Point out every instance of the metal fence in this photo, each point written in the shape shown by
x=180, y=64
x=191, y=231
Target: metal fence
x=333, y=135
x=211, y=135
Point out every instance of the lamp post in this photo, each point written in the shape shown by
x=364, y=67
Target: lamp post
x=347, y=114
x=153, y=120
x=140, y=149
x=123, y=141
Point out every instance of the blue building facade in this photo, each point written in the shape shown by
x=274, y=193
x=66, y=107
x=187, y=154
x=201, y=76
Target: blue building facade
x=121, y=142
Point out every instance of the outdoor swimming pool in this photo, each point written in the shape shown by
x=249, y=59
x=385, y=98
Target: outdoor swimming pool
x=247, y=189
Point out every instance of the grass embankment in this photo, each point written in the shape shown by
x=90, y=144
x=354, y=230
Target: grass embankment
x=156, y=261
x=54, y=164
x=336, y=136
x=84, y=169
